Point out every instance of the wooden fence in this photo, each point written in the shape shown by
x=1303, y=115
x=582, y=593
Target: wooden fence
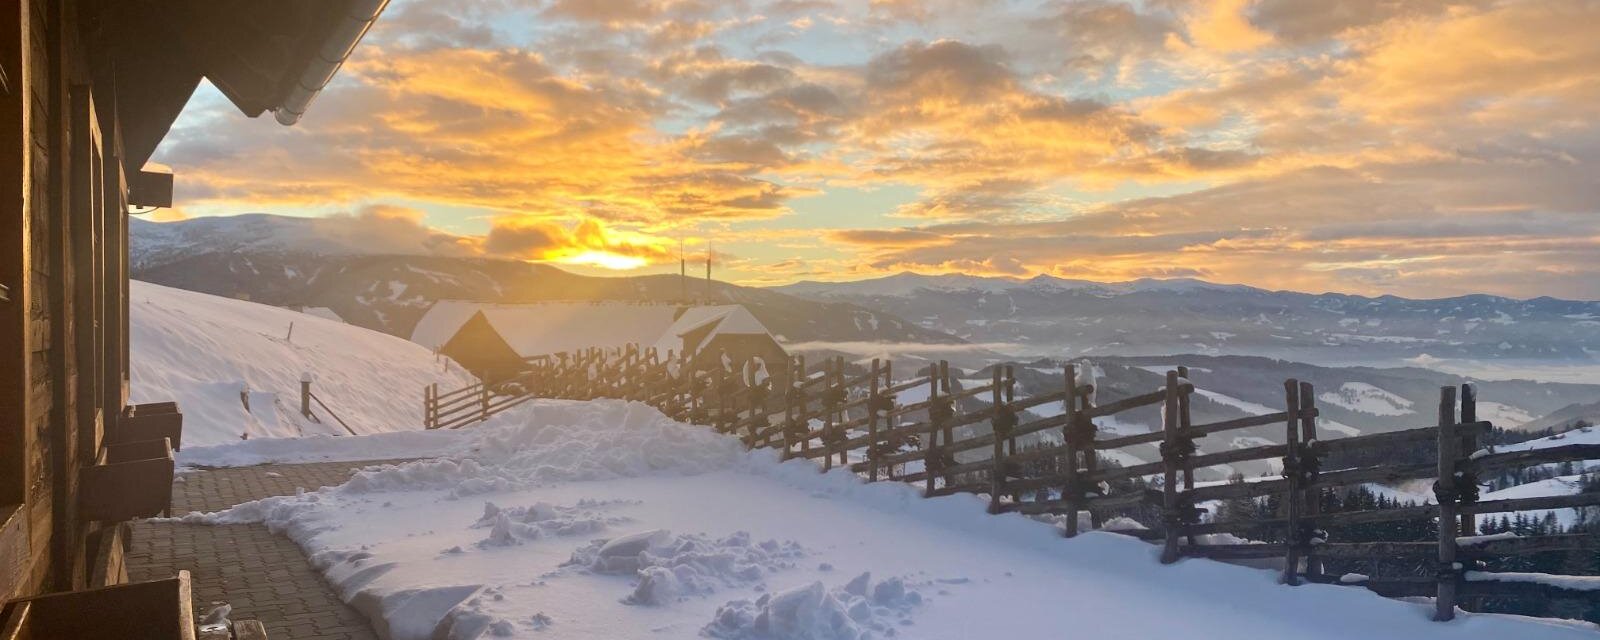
x=951, y=439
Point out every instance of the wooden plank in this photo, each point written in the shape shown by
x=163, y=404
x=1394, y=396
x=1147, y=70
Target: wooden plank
x=1133, y=402
x=1511, y=459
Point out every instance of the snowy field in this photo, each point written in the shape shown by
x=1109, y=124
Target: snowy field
x=213, y=355
x=608, y=520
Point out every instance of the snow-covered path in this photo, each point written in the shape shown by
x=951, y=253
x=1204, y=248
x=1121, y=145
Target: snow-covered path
x=496, y=538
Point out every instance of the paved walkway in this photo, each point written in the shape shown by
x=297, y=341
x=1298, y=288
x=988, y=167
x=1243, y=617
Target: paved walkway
x=264, y=576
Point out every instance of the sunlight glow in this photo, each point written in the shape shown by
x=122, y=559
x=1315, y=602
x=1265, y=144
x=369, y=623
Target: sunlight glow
x=605, y=259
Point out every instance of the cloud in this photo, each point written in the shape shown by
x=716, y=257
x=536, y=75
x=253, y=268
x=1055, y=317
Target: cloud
x=587, y=242
x=1366, y=145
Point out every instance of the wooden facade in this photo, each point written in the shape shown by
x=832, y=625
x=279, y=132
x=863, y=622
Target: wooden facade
x=87, y=90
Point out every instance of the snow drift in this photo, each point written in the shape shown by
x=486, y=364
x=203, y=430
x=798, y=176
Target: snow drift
x=630, y=525
x=235, y=368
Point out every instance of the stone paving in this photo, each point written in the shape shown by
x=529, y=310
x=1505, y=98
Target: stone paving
x=263, y=575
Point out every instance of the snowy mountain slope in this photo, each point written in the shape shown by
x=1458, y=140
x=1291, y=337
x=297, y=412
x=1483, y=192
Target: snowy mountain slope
x=387, y=285
x=606, y=520
x=210, y=354
x=1053, y=316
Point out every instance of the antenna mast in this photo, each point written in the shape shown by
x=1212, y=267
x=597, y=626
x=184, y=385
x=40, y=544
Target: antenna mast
x=683, y=274
x=708, y=272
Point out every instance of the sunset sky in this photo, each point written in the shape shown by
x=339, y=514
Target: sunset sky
x=1418, y=147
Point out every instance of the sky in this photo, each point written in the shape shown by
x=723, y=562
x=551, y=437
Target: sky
x=1422, y=148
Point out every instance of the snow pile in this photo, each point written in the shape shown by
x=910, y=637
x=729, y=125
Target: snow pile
x=517, y=525
x=672, y=567
x=235, y=367
x=856, y=611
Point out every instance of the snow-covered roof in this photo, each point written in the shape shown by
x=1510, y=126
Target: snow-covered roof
x=442, y=321
x=722, y=319
x=553, y=327
x=322, y=312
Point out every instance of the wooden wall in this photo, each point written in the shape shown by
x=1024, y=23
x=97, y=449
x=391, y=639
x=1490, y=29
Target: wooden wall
x=63, y=334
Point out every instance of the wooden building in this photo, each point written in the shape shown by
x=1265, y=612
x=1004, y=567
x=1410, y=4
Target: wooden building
x=495, y=341
x=88, y=88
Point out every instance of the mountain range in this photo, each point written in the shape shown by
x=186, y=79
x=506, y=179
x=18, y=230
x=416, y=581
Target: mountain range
x=302, y=262
x=1060, y=317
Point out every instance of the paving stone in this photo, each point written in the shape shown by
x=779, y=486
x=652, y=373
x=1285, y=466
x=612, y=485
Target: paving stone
x=263, y=575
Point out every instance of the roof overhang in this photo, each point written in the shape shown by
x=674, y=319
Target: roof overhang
x=264, y=56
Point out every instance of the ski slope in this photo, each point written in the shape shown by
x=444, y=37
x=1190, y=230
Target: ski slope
x=605, y=519
x=215, y=356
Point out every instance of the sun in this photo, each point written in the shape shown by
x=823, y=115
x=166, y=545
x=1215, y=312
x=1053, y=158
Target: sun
x=605, y=260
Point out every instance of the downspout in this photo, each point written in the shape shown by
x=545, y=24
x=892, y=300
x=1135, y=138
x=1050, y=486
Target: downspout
x=328, y=59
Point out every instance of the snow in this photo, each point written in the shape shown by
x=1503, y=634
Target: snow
x=1576, y=583
x=1558, y=486
x=1504, y=415
x=1365, y=398
x=211, y=353
x=626, y=524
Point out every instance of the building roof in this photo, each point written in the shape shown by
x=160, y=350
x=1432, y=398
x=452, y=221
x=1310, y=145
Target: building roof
x=555, y=327
x=264, y=56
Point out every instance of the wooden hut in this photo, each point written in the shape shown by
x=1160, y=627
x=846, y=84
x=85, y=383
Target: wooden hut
x=88, y=88
x=495, y=341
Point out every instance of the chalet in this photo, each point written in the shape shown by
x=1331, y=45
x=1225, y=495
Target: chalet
x=496, y=340
x=88, y=89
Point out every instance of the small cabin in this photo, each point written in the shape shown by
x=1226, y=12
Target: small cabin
x=495, y=341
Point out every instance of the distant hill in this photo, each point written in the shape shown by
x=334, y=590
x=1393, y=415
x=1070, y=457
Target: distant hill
x=1054, y=316
x=285, y=261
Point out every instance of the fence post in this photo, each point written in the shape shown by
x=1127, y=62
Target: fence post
x=791, y=412
x=1469, y=444
x=1291, y=476
x=483, y=401
x=430, y=406
x=934, y=460
x=872, y=424
x=843, y=398
x=888, y=420
x=1070, y=492
x=1310, y=464
x=998, y=429
x=1449, y=571
x=830, y=390
x=1169, y=472
x=944, y=378
x=305, y=394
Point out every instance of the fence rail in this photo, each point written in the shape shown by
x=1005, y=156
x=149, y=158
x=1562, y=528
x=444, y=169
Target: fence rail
x=954, y=439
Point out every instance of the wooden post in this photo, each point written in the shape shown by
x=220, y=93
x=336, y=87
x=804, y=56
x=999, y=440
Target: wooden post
x=1069, y=492
x=305, y=394
x=1091, y=460
x=1291, y=496
x=483, y=401
x=1183, y=428
x=830, y=380
x=888, y=421
x=872, y=424
x=804, y=428
x=430, y=406
x=1469, y=445
x=933, y=460
x=1011, y=398
x=1169, y=488
x=1445, y=597
x=997, y=472
x=1312, y=494
x=944, y=377
x=840, y=415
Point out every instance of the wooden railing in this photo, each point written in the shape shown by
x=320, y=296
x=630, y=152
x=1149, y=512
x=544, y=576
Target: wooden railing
x=951, y=439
